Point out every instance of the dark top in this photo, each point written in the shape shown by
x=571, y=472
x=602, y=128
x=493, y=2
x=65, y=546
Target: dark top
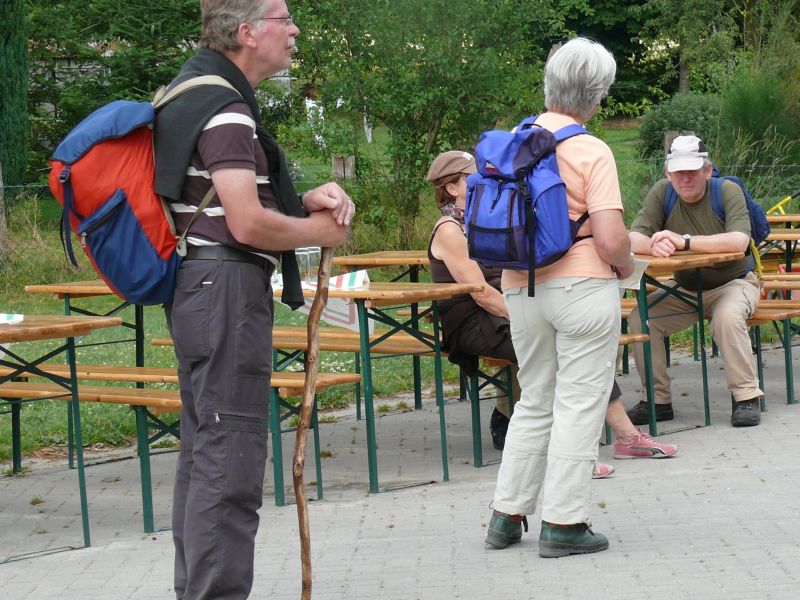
x=177, y=130
x=698, y=218
x=456, y=311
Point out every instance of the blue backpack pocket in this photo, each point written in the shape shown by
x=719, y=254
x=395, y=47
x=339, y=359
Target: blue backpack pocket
x=499, y=203
x=117, y=244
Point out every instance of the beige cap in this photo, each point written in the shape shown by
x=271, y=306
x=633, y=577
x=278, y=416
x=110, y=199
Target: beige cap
x=450, y=163
x=686, y=153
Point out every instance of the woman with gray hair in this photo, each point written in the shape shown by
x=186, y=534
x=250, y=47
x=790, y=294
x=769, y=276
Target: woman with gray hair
x=566, y=335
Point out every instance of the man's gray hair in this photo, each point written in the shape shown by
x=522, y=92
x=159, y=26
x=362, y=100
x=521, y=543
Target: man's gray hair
x=221, y=20
x=577, y=76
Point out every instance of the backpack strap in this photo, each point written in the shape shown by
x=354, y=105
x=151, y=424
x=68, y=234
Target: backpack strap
x=569, y=131
x=67, y=210
x=717, y=204
x=164, y=96
x=670, y=198
x=531, y=227
x=181, y=248
x=161, y=98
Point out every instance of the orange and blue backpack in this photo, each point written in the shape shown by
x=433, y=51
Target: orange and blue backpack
x=103, y=174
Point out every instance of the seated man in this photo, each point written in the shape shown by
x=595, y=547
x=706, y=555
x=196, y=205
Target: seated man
x=730, y=290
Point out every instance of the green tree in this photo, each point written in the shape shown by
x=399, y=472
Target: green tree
x=700, y=36
x=617, y=25
x=93, y=51
x=13, y=75
x=434, y=73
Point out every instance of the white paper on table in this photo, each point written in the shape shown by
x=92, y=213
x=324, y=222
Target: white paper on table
x=341, y=312
x=634, y=279
x=10, y=319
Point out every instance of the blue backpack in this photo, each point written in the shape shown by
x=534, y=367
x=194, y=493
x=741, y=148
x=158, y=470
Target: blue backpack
x=516, y=215
x=759, y=227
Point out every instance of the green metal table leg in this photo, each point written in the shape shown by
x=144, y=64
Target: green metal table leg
x=366, y=379
x=438, y=376
x=702, y=335
x=139, y=337
x=625, y=364
x=70, y=428
x=641, y=300
x=475, y=411
x=277, y=450
x=70, y=437
x=357, y=362
x=414, y=278
x=759, y=362
x=787, y=358
x=143, y=448
x=16, y=436
x=76, y=416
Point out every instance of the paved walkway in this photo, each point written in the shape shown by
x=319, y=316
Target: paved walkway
x=719, y=521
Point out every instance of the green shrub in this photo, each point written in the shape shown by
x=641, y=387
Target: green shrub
x=756, y=117
x=684, y=112
x=766, y=164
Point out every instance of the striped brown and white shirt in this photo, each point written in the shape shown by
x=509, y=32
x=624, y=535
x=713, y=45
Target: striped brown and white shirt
x=228, y=141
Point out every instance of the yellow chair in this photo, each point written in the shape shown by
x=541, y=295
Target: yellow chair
x=778, y=208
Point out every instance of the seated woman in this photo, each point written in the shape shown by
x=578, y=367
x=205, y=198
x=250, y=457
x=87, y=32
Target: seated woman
x=477, y=324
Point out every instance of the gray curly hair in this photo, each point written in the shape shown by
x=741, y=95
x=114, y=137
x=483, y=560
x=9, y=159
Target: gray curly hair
x=221, y=20
x=577, y=76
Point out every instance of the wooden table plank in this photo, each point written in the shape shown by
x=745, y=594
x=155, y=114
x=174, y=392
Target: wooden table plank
x=76, y=289
x=384, y=258
x=41, y=327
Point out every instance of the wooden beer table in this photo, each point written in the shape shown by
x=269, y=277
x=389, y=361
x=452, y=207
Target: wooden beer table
x=35, y=328
x=75, y=290
x=371, y=301
x=412, y=259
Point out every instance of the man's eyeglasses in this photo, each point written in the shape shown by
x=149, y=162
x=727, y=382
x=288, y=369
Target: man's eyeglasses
x=286, y=21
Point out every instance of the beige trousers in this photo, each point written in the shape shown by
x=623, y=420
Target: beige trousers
x=566, y=343
x=728, y=307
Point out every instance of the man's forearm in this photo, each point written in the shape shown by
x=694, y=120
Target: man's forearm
x=272, y=230
x=733, y=241
x=640, y=243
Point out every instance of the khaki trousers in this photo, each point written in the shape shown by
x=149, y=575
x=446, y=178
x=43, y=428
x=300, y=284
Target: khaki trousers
x=728, y=307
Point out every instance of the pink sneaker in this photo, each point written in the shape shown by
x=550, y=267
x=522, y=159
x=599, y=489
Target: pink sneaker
x=602, y=470
x=643, y=446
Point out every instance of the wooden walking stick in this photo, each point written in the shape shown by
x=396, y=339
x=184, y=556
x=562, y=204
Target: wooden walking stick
x=312, y=367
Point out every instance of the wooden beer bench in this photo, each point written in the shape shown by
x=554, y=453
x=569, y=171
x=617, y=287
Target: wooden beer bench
x=150, y=404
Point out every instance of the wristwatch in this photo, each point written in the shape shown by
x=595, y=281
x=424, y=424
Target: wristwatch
x=687, y=239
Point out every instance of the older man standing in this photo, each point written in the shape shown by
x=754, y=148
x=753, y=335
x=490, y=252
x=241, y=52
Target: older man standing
x=730, y=290
x=221, y=316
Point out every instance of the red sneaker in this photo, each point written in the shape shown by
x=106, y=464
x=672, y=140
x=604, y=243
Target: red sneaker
x=602, y=470
x=643, y=446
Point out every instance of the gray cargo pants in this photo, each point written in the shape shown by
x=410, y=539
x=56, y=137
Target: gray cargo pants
x=221, y=322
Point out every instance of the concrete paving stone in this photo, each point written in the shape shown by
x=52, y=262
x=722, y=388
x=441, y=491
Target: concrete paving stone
x=716, y=521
